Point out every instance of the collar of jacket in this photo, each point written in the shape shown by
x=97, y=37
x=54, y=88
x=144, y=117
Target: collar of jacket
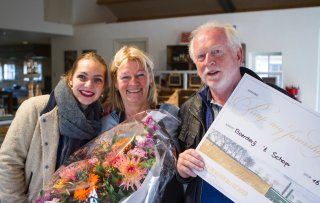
x=50, y=105
x=197, y=106
x=244, y=70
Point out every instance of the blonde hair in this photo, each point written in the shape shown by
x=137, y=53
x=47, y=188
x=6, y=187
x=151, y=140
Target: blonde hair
x=131, y=53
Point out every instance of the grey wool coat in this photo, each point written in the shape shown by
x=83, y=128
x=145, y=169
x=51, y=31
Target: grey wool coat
x=29, y=152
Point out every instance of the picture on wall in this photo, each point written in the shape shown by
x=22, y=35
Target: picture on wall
x=69, y=57
x=194, y=81
x=185, y=37
x=175, y=80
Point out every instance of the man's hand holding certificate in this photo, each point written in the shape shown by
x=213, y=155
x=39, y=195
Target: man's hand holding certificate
x=263, y=147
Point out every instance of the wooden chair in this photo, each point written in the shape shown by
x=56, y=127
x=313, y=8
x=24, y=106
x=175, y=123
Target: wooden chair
x=184, y=95
x=164, y=94
x=7, y=98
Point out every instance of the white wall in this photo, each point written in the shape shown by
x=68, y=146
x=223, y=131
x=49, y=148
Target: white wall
x=59, y=11
x=294, y=32
x=76, y=12
x=29, y=16
x=85, y=12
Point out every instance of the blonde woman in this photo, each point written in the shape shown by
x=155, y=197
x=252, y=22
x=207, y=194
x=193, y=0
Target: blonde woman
x=132, y=91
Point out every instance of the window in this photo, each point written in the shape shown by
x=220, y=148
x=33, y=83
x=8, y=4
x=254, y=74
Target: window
x=268, y=66
x=9, y=71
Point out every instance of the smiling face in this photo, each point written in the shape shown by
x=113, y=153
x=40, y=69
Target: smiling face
x=133, y=84
x=87, y=82
x=217, y=64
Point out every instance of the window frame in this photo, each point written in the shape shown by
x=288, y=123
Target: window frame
x=277, y=74
x=5, y=73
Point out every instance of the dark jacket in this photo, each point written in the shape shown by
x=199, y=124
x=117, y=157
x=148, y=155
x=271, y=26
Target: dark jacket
x=192, y=129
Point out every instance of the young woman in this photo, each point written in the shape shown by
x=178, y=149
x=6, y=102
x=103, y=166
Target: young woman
x=47, y=129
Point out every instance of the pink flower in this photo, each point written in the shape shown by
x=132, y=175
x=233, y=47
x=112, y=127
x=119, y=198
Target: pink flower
x=132, y=173
x=149, y=135
x=118, y=160
x=149, y=142
x=138, y=152
x=150, y=124
x=93, y=161
x=145, y=143
x=69, y=172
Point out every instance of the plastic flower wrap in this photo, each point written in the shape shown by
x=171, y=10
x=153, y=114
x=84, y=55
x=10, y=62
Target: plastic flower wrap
x=131, y=162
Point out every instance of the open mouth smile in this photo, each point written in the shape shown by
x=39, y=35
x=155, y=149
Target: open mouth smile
x=86, y=93
x=134, y=90
x=212, y=73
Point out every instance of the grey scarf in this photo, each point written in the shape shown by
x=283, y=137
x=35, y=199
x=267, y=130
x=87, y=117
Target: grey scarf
x=77, y=126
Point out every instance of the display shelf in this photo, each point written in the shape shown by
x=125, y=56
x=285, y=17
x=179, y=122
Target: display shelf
x=184, y=79
x=178, y=58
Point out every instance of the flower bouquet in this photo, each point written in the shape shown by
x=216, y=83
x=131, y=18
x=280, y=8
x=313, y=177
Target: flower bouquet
x=131, y=162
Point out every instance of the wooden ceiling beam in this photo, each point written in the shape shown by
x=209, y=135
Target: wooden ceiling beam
x=108, y=2
x=227, y=5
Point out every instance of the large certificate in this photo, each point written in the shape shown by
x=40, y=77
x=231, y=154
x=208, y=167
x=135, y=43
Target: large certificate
x=263, y=147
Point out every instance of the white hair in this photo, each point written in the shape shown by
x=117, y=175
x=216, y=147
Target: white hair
x=232, y=36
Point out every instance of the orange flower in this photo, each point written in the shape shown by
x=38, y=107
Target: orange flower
x=93, y=179
x=81, y=194
x=121, y=143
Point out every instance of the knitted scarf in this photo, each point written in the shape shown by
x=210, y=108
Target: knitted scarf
x=77, y=126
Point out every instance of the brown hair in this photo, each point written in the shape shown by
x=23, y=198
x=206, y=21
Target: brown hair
x=88, y=55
